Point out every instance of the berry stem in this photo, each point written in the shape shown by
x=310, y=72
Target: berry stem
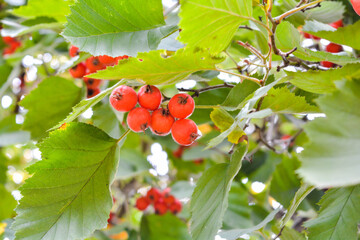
x=198, y=91
x=124, y=135
x=242, y=77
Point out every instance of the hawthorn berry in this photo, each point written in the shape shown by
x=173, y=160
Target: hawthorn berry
x=142, y=203
x=181, y=105
x=149, y=97
x=78, y=71
x=175, y=207
x=153, y=195
x=356, y=6
x=91, y=82
x=334, y=48
x=161, y=122
x=160, y=208
x=73, y=51
x=337, y=24
x=169, y=199
x=123, y=98
x=327, y=64
x=92, y=92
x=107, y=60
x=138, y=119
x=184, y=132
x=8, y=40
x=94, y=64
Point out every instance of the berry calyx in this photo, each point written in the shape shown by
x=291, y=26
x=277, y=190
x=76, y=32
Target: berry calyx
x=356, y=6
x=160, y=208
x=161, y=122
x=92, y=92
x=184, y=132
x=138, y=119
x=142, y=203
x=327, y=64
x=123, y=98
x=73, y=51
x=91, y=82
x=181, y=105
x=153, y=195
x=78, y=71
x=334, y=48
x=149, y=97
x=94, y=64
x=175, y=207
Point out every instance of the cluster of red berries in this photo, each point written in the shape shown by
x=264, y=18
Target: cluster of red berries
x=91, y=65
x=12, y=45
x=161, y=120
x=161, y=201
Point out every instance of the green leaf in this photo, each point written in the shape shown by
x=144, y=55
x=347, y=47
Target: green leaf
x=291, y=234
x=347, y=35
x=331, y=157
x=110, y=27
x=281, y=100
x=132, y=163
x=214, y=24
x=14, y=29
x=7, y=204
x=156, y=68
x=166, y=227
x=3, y=169
x=56, y=9
x=236, y=233
x=68, y=195
x=288, y=37
x=50, y=102
x=85, y=104
x=284, y=182
x=105, y=118
x=10, y=132
x=210, y=198
x=338, y=216
x=5, y=71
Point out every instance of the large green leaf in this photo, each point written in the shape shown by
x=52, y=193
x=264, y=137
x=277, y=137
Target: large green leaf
x=68, y=195
x=347, y=35
x=56, y=9
x=281, y=100
x=116, y=27
x=331, y=158
x=48, y=104
x=132, y=163
x=7, y=204
x=156, y=68
x=210, y=198
x=212, y=24
x=338, y=216
x=166, y=227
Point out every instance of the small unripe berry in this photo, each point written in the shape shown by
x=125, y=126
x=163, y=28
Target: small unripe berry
x=181, y=105
x=78, y=71
x=91, y=82
x=327, y=64
x=94, y=64
x=73, y=51
x=149, y=97
x=92, y=92
x=153, y=195
x=160, y=208
x=184, y=132
x=161, y=122
x=175, y=207
x=142, y=203
x=123, y=98
x=138, y=119
x=334, y=48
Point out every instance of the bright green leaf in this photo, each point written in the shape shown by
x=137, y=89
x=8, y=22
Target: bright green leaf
x=338, y=216
x=156, y=68
x=68, y=195
x=330, y=159
x=48, y=104
x=212, y=24
x=210, y=198
x=7, y=204
x=116, y=28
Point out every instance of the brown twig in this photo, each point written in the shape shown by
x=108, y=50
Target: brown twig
x=198, y=91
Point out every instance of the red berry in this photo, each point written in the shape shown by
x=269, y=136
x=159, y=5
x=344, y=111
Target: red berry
x=184, y=132
x=337, y=24
x=112, y=219
x=73, y=51
x=8, y=40
x=107, y=60
x=327, y=64
x=91, y=92
x=8, y=50
x=78, y=71
x=123, y=98
x=142, y=203
x=161, y=122
x=307, y=35
x=169, y=199
x=160, y=208
x=94, y=64
x=175, y=207
x=356, y=6
x=198, y=161
x=181, y=105
x=138, y=119
x=153, y=195
x=334, y=48
x=149, y=97
x=91, y=82
x=315, y=37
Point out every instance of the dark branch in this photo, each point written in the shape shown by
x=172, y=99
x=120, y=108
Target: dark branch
x=198, y=91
